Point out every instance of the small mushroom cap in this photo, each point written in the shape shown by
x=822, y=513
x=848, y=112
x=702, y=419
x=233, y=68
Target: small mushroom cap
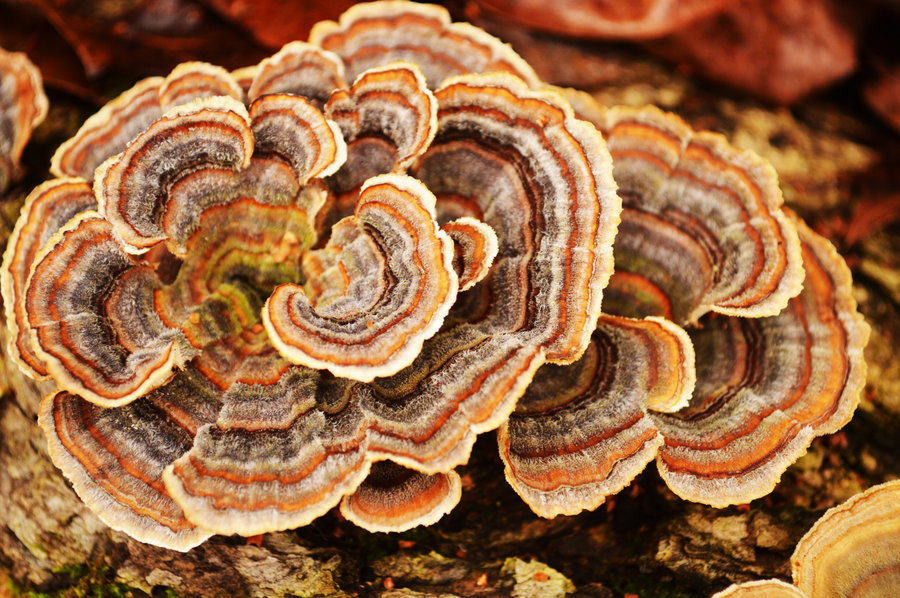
x=768, y=588
x=396, y=499
x=854, y=549
x=388, y=102
x=376, y=33
x=106, y=455
x=46, y=210
x=107, y=132
x=299, y=69
x=701, y=221
x=213, y=150
x=602, y=399
x=23, y=106
x=388, y=285
x=475, y=246
x=132, y=187
x=388, y=118
x=767, y=386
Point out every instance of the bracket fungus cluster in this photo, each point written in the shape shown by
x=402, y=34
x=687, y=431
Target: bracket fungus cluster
x=23, y=106
x=266, y=293
x=853, y=550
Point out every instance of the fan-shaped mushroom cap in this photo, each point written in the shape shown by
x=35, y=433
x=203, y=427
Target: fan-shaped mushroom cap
x=90, y=315
x=766, y=387
x=701, y=225
x=116, y=471
x=46, y=210
x=23, y=106
x=388, y=118
x=385, y=103
x=299, y=69
x=107, y=132
x=376, y=33
x=395, y=499
x=388, y=285
x=854, y=549
x=581, y=432
x=273, y=460
x=769, y=588
x=504, y=151
x=207, y=145
x=475, y=246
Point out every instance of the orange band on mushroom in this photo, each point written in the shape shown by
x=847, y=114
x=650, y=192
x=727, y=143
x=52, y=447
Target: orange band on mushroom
x=271, y=461
x=854, y=549
x=299, y=69
x=91, y=317
x=770, y=588
x=631, y=366
x=475, y=247
x=107, y=132
x=294, y=130
x=105, y=454
x=767, y=386
x=376, y=33
x=539, y=176
x=396, y=499
x=46, y=210
x=193, y=80
x=739, y=254
x=400, y=287
x=132, y=187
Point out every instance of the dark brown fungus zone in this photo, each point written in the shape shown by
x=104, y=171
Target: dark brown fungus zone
x=376, y=33
x=23, y=106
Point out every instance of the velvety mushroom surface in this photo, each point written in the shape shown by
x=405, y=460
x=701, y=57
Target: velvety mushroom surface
x=853, y=550
x=23, y=106
x=314, y=281
x=728, y=403
x=254, y=313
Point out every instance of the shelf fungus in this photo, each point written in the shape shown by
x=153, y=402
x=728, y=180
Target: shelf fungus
x=269, y=293
x=853, y=550
x=23, y=106
x=375, y=33
x=767, y=359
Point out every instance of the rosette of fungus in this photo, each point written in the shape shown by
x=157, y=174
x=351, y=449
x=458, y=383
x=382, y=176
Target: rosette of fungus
x=853, y=550
x=248, y=286
x=266, y=293
x=761, y=367
x=23, y=106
